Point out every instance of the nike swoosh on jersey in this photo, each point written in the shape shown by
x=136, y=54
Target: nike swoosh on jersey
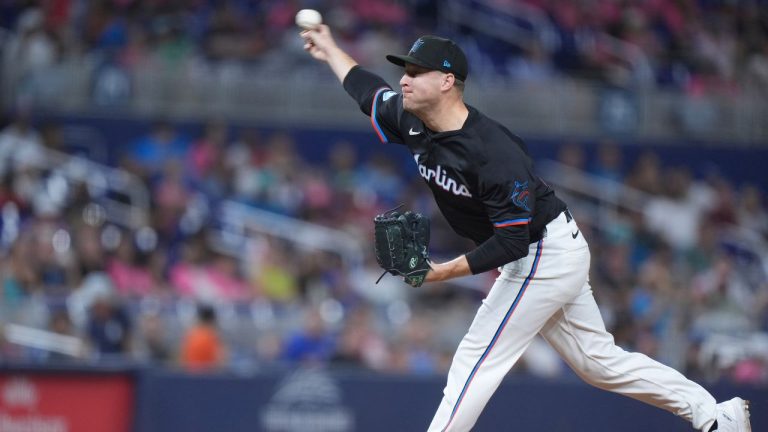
x=576, y=234
x=411, y=132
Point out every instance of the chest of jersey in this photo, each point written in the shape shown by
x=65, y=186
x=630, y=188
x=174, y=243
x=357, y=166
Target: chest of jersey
x=454, y=185
x=445, y=179
x=444, y=167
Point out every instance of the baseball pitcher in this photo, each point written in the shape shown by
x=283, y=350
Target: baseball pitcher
x=484, y=183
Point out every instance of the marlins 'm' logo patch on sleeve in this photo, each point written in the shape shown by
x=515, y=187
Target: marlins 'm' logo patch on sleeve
x=385, y=115
x=520, y=195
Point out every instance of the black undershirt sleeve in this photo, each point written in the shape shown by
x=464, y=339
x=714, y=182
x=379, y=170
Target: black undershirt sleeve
x=506, y=245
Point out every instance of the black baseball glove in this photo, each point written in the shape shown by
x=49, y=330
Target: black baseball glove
x=401, y=242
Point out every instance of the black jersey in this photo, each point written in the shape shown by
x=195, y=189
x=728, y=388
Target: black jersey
x=481, y=175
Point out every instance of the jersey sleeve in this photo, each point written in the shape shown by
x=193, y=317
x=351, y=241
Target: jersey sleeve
x=506, y=187
x=378, y=101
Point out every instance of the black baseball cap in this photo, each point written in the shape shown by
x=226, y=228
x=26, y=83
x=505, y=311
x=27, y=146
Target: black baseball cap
x=436, y=53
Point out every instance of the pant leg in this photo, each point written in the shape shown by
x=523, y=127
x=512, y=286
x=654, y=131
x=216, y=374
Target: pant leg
x=578, y=333
x=483, y=358
x=525, y=296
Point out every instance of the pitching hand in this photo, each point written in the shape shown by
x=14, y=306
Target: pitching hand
x=318, y=42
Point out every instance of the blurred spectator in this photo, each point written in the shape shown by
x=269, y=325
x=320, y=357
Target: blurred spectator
x=8, y=195
x=703, y=255
x=571, y=154
x=192, y=277
x=154, y=344
x=20, y=144
x=31, y=49
x=172, y=47
x=109, y=328
x=18, y=273
x=533, y=66
x=246, y=149
x=318, y=195
x=342, y=162
x=715, y=44
x=52, y=257
x=131, y=278
x=374, y=45
x=269, y=348
x=269, y=270
x=756, y=70
x=751, y=212
x=151, y=153
x=247, y=156
x=231, y=36
x=540, y=359
x=722, y=211
x=202, y=347
x=51, y=136
x=313, y=343
x=61, y=325
x=206, y=151
x=88, y=249
x=359, y=344
x=136, y=52
x=283, y=171
x=414, y=352
x=723, y=301
x=646, y=175
x=686, y=202
x=381, y=177
x=172, y=192
x=386, y=12
x=608, y=164
x=655, y=302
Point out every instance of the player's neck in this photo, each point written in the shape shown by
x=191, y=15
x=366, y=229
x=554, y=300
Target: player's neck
x=446, y=117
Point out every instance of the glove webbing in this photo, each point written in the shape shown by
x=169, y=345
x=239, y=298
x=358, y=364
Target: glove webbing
x=389, y=212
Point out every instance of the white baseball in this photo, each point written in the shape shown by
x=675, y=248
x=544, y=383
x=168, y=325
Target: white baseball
x=308, y=19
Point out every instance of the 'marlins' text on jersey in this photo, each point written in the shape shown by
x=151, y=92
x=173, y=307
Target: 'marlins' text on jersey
x=441, y=178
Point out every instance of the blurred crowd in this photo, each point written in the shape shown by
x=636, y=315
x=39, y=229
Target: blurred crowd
x=148, y=293
x=682, y=279
x=701, y=47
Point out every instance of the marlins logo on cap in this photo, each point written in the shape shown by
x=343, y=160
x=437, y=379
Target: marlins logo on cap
x=416, y=46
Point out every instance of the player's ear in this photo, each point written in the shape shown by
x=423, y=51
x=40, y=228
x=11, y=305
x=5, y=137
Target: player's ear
x=448, y=80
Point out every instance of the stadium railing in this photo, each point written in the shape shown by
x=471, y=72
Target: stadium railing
x=292, y=92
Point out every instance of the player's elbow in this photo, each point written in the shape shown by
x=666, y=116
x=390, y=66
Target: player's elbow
x=514, y=250
x=514, y=242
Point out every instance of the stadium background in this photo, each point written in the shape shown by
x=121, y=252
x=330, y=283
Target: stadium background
x=157, y=156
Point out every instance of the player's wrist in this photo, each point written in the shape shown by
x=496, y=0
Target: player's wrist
x=433, y=275
x=448, y=270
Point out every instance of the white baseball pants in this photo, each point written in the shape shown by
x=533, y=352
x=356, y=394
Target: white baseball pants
x=548, y=293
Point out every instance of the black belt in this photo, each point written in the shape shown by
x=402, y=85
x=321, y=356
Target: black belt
x=543, y=232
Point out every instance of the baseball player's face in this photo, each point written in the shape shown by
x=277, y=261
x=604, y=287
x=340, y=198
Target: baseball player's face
x=420, y=86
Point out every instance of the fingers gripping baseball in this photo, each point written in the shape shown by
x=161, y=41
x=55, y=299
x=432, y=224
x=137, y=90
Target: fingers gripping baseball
x=318, y=41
